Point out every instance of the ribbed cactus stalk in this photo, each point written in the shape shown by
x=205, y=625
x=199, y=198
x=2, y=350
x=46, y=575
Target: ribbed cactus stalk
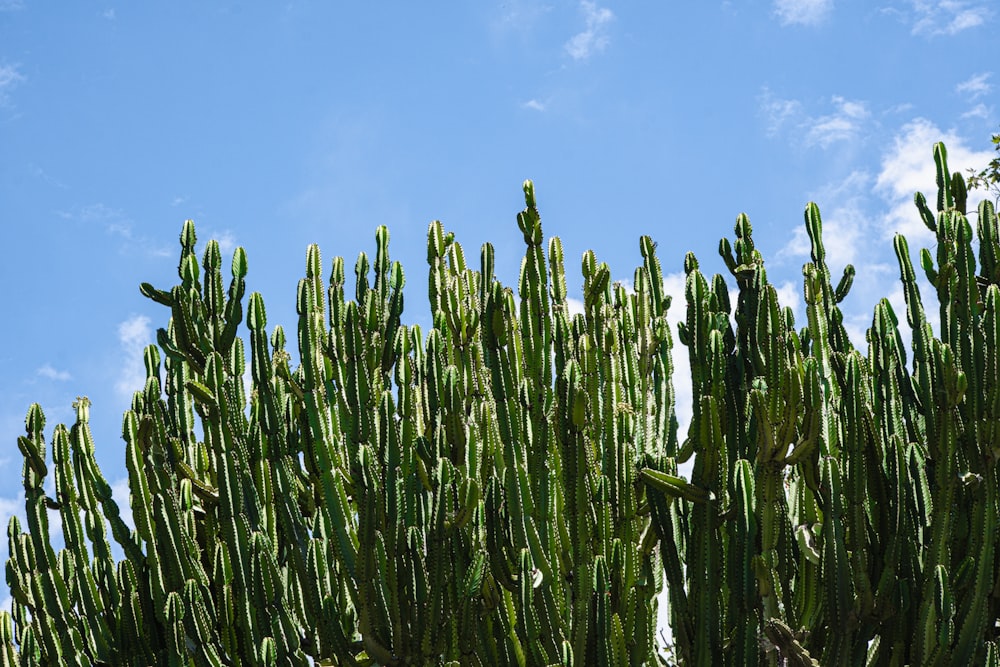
x=504, y=488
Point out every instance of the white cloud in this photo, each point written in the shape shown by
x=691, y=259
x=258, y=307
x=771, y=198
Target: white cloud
x=120, y=493
x=134, y=334
x=109, y=14
x=853, y=233
x=908, y=167
x=114, y=219
x=856, y=325
x=10, y=507
x=122, y=229
x=575, y=306
x=789, y=297
x=975, y=86
x=904, y=107
x=843, y=236
x=11, y=5
x=534, y=105
x=777, y=111
x=225, y=238
x=116, y=222
x=10, y=77
x=978, y=111
x=160, y=251
x=519, y=16
x=947, y=17
x=844, y=222
x=47, y=371
x=843, y=124
x=798, y=244
x=38, y=172
x=227, y=243
x=594, y=38
x=673, y=285
x=802, y=12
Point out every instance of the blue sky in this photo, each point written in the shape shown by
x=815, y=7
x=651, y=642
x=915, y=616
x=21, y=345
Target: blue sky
x=276, y=125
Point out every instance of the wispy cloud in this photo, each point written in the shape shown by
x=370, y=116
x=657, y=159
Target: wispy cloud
x=802, y=12
x=47, y=371
x=947, y=17
x=10, y=507
x=40, y=173
x=519, y=16
x=594, y=37
x=907, y=168
x=116, y=222
x=227, y=243
x=120, y=493
x=225, y=238
x=975, y=86
x=534, y=105
x=122, y=229
x=673, y=285
x=10, y=77
x=99, y=213
x=864, y=211
x=978, y=111
x=134, y=334
x=845, y=222
x=11, y=5
x=777, y=111
x=852, y=234
x=789, y=297
x=842, y=125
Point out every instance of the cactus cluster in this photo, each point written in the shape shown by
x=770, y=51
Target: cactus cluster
x=849, y=502
x=503, y=489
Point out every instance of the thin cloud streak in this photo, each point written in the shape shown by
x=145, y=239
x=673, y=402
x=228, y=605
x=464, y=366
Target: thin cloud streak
x=844, y=124
x=594, y=38
x=802, y=12
x=49, y=372
x=134, y=334
x=947, y=17
x=975, y=86
x=10, y=78
x=777, y=111
x=978, y=111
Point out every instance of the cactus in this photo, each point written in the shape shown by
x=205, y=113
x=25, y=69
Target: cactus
x=504, y=488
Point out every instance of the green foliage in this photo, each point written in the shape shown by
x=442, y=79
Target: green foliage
x=987, y=178
x=504, y=488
